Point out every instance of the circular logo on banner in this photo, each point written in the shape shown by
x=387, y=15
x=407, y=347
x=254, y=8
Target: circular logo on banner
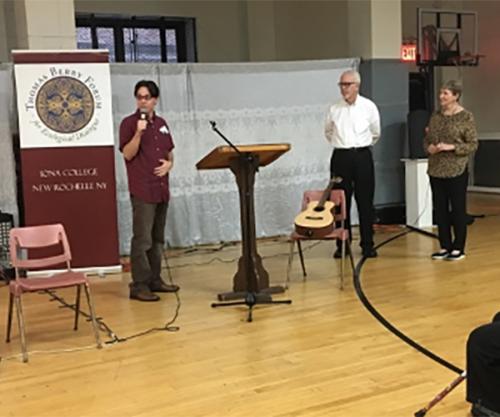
x=65, y=104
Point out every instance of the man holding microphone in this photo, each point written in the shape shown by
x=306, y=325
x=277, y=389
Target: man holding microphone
x=146, y=144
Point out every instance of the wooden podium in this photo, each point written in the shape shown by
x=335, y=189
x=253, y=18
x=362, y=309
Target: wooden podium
x=251, y=276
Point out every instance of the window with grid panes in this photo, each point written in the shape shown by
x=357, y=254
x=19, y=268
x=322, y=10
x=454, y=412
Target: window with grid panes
x=138, y=39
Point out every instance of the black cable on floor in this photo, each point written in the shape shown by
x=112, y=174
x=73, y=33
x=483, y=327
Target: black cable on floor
x=422, y=231
x=64, y=304
x=383, y=321
x=104, y=327
x=168, y=325
x=235, y=259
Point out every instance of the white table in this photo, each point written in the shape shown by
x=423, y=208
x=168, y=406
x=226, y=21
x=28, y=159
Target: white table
x=418, y=193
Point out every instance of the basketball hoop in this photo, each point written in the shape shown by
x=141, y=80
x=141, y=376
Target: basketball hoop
x=444, y=35
x=466, y=60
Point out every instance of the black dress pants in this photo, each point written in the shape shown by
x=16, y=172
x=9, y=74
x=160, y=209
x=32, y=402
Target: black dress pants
x=483, y=366
x=449, y=197
x=355, y=167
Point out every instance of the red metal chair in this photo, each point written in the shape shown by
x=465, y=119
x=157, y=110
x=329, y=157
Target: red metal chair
x=23, y=241
x=340, y=233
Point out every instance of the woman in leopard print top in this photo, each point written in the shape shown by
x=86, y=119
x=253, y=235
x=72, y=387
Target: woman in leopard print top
x=450, y=140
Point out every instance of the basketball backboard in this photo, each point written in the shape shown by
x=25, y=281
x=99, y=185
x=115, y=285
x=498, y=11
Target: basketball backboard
x=447, y=37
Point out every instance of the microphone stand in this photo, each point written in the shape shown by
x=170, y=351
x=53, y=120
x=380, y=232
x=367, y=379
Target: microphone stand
x=244, y=168
x=214, y=128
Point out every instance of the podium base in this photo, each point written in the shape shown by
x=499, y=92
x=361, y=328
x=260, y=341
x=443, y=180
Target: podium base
x=252, y=299
x=236, y=295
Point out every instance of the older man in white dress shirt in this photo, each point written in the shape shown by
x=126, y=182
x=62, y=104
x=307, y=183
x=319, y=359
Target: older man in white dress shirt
x=352, y=127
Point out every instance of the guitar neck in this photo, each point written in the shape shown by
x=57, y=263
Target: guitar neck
x=326, y=194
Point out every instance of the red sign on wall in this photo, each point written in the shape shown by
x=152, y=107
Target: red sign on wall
x=409, y=52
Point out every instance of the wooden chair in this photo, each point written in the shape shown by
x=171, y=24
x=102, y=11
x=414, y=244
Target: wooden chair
x=338, y=233
x=25, y=241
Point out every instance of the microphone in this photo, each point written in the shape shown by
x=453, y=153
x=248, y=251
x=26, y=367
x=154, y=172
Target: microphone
x=144, y=114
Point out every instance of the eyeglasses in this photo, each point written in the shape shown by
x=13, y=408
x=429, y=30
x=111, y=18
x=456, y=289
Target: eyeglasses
x=345, y=84
x=140, y=97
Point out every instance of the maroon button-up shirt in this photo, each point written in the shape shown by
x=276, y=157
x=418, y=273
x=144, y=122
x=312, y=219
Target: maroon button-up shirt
x=156, y=143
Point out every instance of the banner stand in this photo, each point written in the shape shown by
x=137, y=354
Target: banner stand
x=67, y=151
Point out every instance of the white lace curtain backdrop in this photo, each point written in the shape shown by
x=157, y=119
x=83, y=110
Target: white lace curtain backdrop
x=251, y=103
x=8, y=200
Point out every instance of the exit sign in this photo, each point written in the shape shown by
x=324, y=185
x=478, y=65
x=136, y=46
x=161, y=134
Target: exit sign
x=409, y=52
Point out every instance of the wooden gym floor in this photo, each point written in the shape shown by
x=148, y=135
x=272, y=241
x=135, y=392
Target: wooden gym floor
x=323, y=355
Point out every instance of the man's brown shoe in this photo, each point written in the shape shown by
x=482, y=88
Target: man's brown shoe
x=143, y=294
x=160, y=286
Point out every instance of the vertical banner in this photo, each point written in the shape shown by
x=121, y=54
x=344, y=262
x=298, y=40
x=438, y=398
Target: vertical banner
x=67, y=150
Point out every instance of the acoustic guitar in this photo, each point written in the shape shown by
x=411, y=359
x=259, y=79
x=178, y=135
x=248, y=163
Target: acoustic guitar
x=317, y=219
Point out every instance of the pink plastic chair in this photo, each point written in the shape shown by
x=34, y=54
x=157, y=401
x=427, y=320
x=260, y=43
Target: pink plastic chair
x=340, y=233
x=36, y=237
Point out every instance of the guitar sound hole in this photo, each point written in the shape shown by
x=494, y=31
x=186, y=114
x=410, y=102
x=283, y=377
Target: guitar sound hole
x=314, y=218
x=318, y=209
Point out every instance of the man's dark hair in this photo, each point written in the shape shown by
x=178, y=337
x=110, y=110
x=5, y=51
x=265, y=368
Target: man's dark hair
x=153, y=89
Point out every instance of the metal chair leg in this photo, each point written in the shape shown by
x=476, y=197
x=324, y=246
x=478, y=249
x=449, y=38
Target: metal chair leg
x=92, y=316
x=289, y=266
x=342, y=265
x=77, y=306
x=9, y=317
x=20, y=322
x=301, y=256
x=350, y=255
